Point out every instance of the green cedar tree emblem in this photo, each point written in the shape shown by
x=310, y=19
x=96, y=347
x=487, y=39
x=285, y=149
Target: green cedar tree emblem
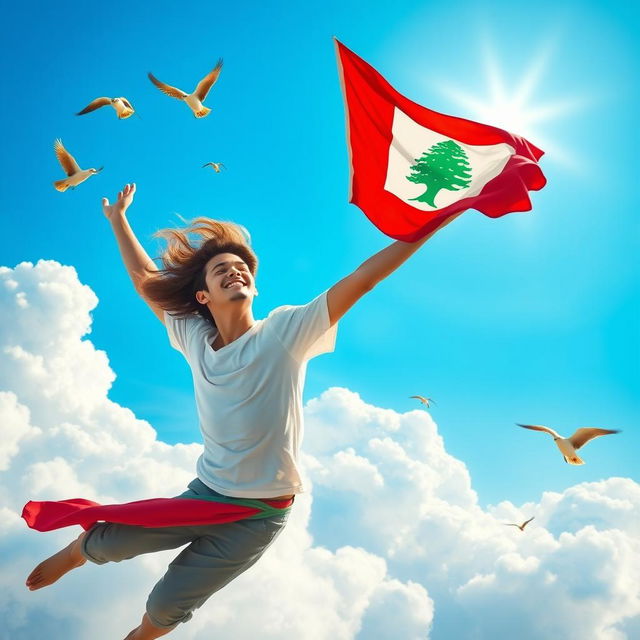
x=444, y=166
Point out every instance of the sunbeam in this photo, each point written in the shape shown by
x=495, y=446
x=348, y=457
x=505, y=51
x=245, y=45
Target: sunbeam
x=509, y=105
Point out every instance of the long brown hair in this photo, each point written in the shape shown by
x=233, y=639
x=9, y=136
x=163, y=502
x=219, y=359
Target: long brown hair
x=174, y=286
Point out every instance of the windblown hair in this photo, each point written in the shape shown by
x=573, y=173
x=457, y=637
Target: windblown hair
x=173, y=287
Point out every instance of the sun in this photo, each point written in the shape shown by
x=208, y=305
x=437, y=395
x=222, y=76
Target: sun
x=509, y=105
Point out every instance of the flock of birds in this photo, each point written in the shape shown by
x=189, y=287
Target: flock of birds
x=124, y=109
x=568, y=446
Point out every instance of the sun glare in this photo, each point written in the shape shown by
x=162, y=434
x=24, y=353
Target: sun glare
x=509, y=105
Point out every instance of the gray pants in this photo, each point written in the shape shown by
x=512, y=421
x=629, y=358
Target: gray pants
x=216, y=554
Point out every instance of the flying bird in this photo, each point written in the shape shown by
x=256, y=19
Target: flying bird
x=121, y=105
x=520, y=526
x=216, y=166
x=569, y=446
x=75, y=175
x=424, y=400
x=194, y=100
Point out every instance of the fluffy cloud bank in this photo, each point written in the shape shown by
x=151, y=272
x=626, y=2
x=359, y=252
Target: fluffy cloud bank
x=391, y=542
x=389, y=480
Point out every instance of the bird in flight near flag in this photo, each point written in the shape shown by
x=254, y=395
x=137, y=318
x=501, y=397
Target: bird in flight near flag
x=413, y=169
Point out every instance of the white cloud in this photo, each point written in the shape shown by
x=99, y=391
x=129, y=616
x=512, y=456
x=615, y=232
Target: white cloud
x=584, y=588
x=346, y=471
x=393, y=601
x=15, y=428
x=575, y=561
x=390, y=543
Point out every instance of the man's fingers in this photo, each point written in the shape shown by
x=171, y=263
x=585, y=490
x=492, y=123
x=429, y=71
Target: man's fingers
x=105, y=202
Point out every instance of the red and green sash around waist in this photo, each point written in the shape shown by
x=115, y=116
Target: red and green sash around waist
x=156, y=512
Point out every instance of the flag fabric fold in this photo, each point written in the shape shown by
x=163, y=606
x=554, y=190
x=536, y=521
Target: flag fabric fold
x=155, y=512
x=412, y=168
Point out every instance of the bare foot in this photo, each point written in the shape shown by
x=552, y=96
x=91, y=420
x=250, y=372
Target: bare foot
x=54, y=567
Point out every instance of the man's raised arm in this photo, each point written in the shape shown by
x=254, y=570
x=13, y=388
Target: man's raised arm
x=133, y=254
x=345, y=293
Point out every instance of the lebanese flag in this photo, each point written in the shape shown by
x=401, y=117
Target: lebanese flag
x=413, y=169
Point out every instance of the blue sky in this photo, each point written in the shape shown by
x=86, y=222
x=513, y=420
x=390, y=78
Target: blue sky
x=530, y=318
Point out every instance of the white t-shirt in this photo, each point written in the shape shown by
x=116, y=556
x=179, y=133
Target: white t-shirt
x=249, y=396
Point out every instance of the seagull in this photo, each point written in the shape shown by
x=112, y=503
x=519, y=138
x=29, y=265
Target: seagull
x=216, y=166
x=568, y=446
x=121, y=105
x=424, y=400
x=75, y=175
x=195, y=99
x=520, y=526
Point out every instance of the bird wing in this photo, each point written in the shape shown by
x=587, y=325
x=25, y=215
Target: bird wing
x=509, y=524
x=539, y=427
x=67, y=161
x=421, y=398
x=96, y=104
x=526, y=522
x=204, y=86
x=167, y=89
x=584, y=434
x=126, y=103
x=208, y=164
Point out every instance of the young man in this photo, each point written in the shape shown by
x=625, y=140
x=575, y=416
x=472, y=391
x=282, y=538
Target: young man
x=248, y=379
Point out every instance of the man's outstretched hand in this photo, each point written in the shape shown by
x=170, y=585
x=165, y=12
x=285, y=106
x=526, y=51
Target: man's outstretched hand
x=125, y=198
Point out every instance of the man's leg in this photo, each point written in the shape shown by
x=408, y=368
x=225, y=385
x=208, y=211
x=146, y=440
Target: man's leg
x=109, y=542
x=205, y=566
x=147, y=630
x=112, y=542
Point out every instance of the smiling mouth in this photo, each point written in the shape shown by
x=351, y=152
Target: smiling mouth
x=233, y=285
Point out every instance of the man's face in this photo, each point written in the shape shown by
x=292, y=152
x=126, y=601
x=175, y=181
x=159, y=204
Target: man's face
x=228, y=279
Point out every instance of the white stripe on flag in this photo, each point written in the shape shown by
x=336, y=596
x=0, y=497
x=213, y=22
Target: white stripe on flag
x=411, y=141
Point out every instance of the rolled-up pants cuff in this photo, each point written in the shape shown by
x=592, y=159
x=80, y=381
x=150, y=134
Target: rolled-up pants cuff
x=156, y=623
x=83, y=548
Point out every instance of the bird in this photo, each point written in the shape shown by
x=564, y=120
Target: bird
x=194, y=100
x=424, y=400
x=75, y=175
x=216, y=166
x=520, y=526
x=121, y=105
x=569, y=446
